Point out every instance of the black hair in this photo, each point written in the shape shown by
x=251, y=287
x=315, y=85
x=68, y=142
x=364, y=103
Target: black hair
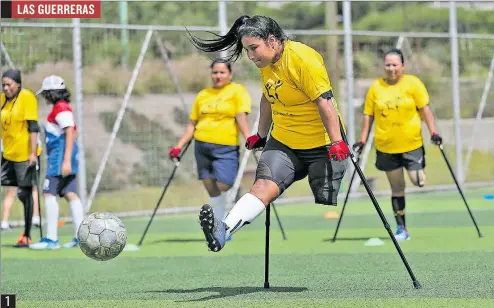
x=54, y=96
x=260, y=27
x=13, y=74
x=396, y=51
x=219, y=60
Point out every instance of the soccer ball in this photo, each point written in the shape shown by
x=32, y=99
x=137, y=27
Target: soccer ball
x=102, y=236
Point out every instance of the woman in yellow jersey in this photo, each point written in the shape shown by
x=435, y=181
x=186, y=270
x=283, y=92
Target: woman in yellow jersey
x=397, y=104
x=19, y=116
x=218, y=115
x=298, y=102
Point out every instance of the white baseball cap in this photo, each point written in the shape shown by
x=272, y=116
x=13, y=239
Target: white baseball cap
x=52, y=82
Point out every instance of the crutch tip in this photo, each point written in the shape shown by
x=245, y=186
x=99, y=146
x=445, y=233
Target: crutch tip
x=266, y=285
x=417, y=285
x=481, y=235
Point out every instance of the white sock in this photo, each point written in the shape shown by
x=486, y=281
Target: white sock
x=219, y=205
x=52, y=212
x=247, y=208
x=77, y=213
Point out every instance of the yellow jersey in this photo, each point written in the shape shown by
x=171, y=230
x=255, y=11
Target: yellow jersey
x=215, y=110
x=395, y=108
x=14, y=116
x=292, y=84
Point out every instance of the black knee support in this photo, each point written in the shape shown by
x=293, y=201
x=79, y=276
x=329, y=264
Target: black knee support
x=25, y=194
x=325, y=180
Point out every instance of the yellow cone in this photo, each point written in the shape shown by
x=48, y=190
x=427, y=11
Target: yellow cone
x=331, y=215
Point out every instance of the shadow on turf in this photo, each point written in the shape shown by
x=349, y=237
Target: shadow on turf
x=229, y=291
x=353, y=239
x=178, y=240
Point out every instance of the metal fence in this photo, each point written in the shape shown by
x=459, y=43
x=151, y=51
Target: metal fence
x=129, y=114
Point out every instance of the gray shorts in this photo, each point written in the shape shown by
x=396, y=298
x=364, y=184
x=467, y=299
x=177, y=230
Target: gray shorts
x=17, y=174
x=413, y=160
x=284, y=166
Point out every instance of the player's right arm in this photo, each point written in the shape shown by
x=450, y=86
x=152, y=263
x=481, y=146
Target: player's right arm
x=367, y=121
x=265, y=117
x=189, y=131
x=188, y=134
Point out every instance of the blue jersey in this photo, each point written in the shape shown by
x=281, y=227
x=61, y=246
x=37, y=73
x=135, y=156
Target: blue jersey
x=60, y=117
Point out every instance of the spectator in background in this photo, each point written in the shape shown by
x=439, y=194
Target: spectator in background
x=397, y=103
x=19, y=116
x=218, y=115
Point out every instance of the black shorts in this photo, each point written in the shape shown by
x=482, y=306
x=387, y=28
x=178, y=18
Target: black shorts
x=413, y=160
x=284, y=166
x=18, y=174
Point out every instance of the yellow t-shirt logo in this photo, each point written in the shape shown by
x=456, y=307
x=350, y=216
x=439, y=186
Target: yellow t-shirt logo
x=272, y=90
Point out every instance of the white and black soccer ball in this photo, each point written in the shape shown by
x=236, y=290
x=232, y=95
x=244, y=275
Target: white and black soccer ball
x=102, y=236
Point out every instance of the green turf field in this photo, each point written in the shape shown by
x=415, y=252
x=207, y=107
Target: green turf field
x=174, y=268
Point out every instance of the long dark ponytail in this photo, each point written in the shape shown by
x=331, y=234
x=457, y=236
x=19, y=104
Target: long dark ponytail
x=257, y=26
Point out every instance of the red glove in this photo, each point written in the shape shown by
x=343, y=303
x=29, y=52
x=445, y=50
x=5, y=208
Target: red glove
x=338, y=150
x=255, y=142
x=174, y=152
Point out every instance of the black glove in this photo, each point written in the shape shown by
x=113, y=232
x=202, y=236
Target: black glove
x=358, y=147
x=436, y=139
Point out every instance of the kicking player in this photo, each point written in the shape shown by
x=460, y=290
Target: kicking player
x=19, y=116
x=218, y=115
x=305, y=139
x=63, y=163
x=397, y=103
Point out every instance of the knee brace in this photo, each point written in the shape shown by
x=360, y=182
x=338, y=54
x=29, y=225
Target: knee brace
x=325, y=180
x=24, y=194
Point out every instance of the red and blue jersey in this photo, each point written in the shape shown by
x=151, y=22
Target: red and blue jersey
x=59, y=118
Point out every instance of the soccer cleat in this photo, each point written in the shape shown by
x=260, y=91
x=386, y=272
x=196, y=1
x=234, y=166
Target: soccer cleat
x=23, y=242
x=402, y=234
x=73, y=243
x=214, y=229
x=45, y=244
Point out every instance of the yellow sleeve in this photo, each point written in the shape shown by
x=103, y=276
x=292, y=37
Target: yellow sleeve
x=194, y=113
x=369, y=102
x=420, y=94
x=30, y=104
x=313, y=79
x=244, y=103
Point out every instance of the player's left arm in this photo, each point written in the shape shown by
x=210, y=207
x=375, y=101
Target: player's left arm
x=329, y=116
x=31, y=117
x=314, y=81
x=421, y=97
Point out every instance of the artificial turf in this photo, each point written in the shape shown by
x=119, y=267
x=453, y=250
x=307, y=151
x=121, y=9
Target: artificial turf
x=174, y=268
